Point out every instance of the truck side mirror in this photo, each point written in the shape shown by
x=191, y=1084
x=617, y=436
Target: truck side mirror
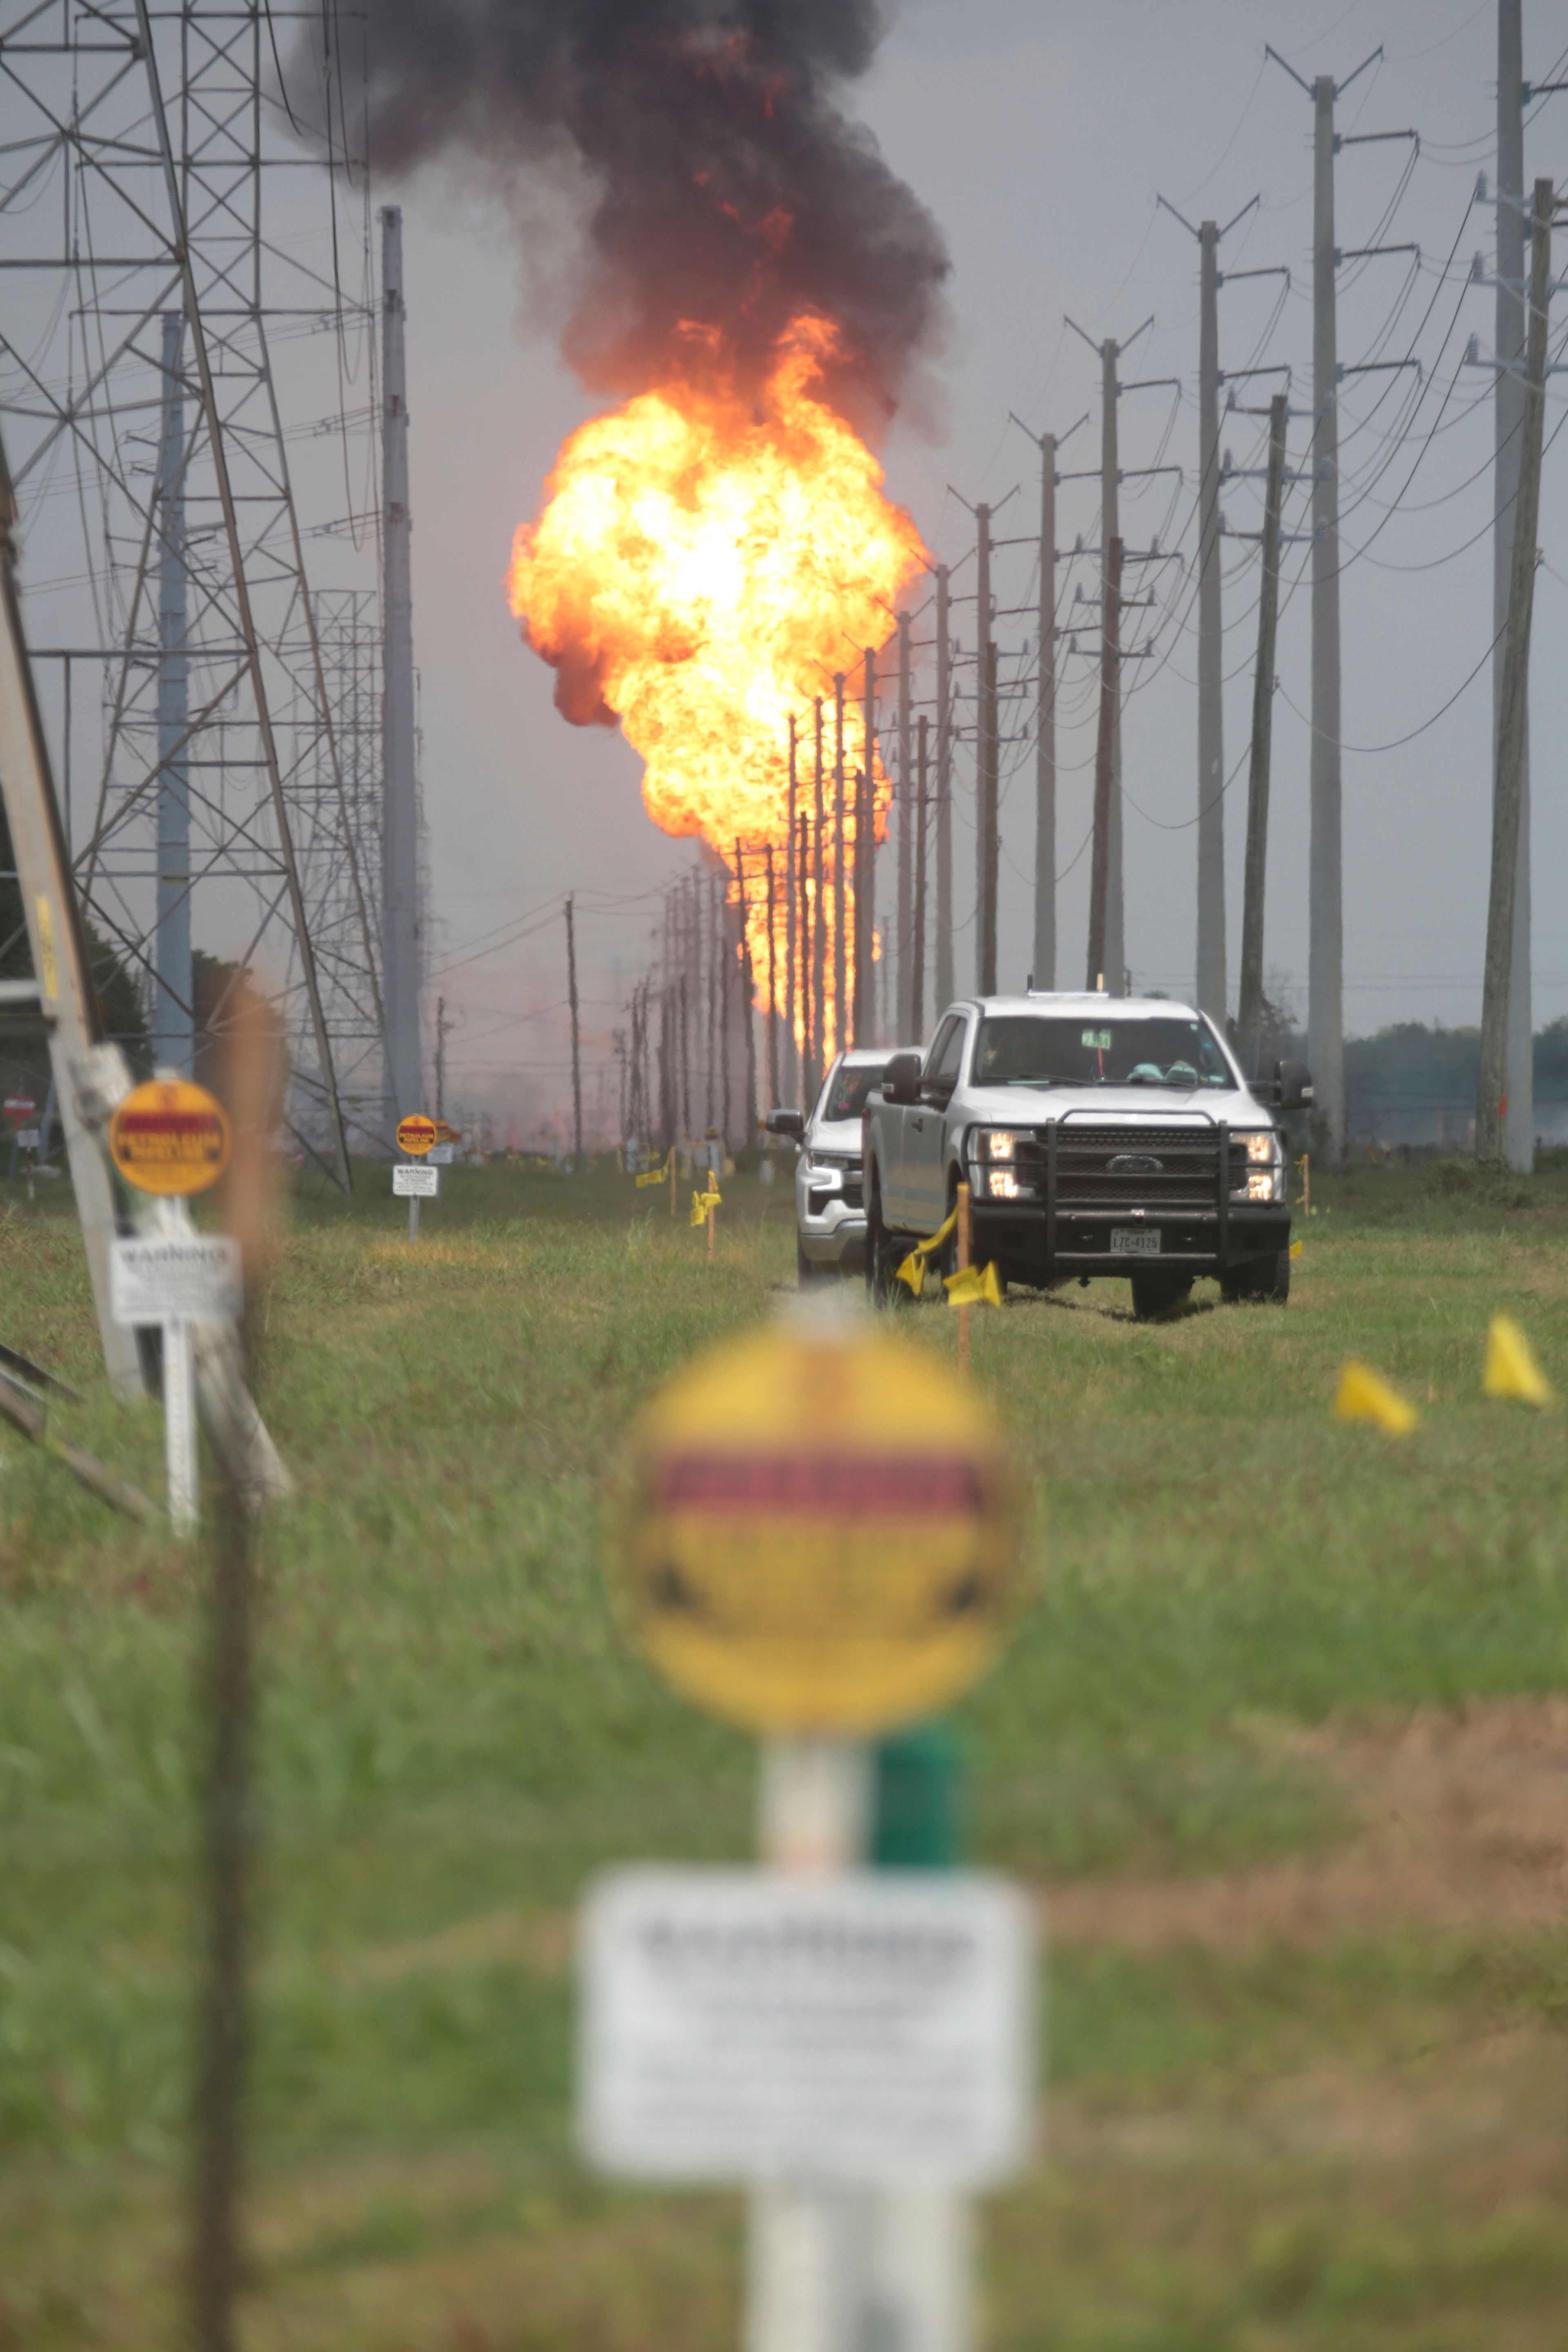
x=901, y=1079
x=1294, y=1080
x=786, y=1122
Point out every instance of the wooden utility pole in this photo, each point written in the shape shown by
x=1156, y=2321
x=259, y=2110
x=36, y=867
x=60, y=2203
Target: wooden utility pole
x=943, y=958
x=721, y=961
x=803, y=868
x=400, y=942
x=818, y=921
x=1508, y=342
x=1249, y=1010
x=1325, y=946
x=792, y=1047
x=865, y=863
x=747, y=1011
x=1492, y=1089
x=989, y=841
x=62, y=999
x=918, y=945
x=904, y=977
x=576, y=1051
x=1210, y=961
x=985, y=943
x=840, y=925
x=1046, y=728
x=1113, y=943
x=1100, y=975
x=772, y=993
x=441, y=1054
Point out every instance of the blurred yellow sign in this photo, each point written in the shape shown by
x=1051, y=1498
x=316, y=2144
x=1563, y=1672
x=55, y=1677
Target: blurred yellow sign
x=170, y=1137
x=817, y=1531
x=417, y=1135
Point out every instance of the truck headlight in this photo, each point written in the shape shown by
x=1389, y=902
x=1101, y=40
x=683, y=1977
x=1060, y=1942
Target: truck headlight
x=997, y=1143
x=1001, y=1184
x=1265, y=1167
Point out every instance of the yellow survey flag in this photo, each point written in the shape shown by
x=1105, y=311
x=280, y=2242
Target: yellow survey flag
x=975, y=1286
x=1295, y=1249
x=700, y=1204
x=913, y=1269
x=1363, y=1395
x=658, y=1175
x=1511, y=1369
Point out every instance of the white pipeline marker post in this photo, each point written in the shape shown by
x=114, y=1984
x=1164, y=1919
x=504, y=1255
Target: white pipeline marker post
x=855, y=2045
x=420, y=1182
x=175, y=1279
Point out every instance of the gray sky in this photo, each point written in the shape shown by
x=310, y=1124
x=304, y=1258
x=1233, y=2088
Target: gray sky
x=1040, y=135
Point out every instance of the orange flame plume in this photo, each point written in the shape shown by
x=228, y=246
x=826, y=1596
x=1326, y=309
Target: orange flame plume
x=709, y=557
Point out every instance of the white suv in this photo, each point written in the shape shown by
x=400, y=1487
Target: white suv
x=829, y=1214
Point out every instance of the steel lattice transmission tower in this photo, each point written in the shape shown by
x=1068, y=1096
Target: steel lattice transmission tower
x=143, y=287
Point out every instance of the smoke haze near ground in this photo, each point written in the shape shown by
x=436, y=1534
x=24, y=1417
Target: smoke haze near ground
x=728, y=188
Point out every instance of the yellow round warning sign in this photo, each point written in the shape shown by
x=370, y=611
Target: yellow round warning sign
x=816, y=1529
x=417, y=1135
x=170, y=1137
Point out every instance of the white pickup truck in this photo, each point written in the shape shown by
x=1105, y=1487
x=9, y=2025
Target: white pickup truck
x=1097, y=1136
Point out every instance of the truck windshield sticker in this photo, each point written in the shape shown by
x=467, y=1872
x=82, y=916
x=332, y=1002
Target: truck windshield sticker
x=1097, y=1040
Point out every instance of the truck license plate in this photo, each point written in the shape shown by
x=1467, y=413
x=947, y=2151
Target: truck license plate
x=1134, y=1241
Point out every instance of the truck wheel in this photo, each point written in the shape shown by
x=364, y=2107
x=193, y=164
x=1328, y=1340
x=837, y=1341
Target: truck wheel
x=1266, y=1284
x=1156, y=1294
x=881, y=1289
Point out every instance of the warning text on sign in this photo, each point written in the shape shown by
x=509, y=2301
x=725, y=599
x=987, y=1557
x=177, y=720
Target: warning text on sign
x=188, y=1277
x=738, y=2025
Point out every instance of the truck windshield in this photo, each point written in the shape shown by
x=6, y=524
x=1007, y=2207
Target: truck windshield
x=1029, y=1050
x=845, y=1094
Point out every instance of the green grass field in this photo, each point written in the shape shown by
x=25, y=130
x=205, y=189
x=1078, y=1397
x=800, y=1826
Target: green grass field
x=1281, y=1732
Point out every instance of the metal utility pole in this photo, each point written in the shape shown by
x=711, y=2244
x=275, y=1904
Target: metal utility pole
x=442, y=1024
x=865, y=863
x=1492, y=1090
x=904, y=1022
x=174, y=191
x=1045, y=964
x=1519, y=1124
x=985, y=918
x=576, y=1053
x=1210, y=959
x=1210, y=965
x=400, y=806
x=1112, y=958
x=173, y=1014
x=916, y=1030
x=1325, y=951
x=1249, y=1010
x=840, y=926
x=1100, y=973
x=1325, y=954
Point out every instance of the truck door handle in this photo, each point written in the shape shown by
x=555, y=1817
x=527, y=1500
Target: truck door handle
x=919, y=1125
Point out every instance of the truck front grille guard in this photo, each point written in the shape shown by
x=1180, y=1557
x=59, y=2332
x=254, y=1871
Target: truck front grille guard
x=1151, y=1141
